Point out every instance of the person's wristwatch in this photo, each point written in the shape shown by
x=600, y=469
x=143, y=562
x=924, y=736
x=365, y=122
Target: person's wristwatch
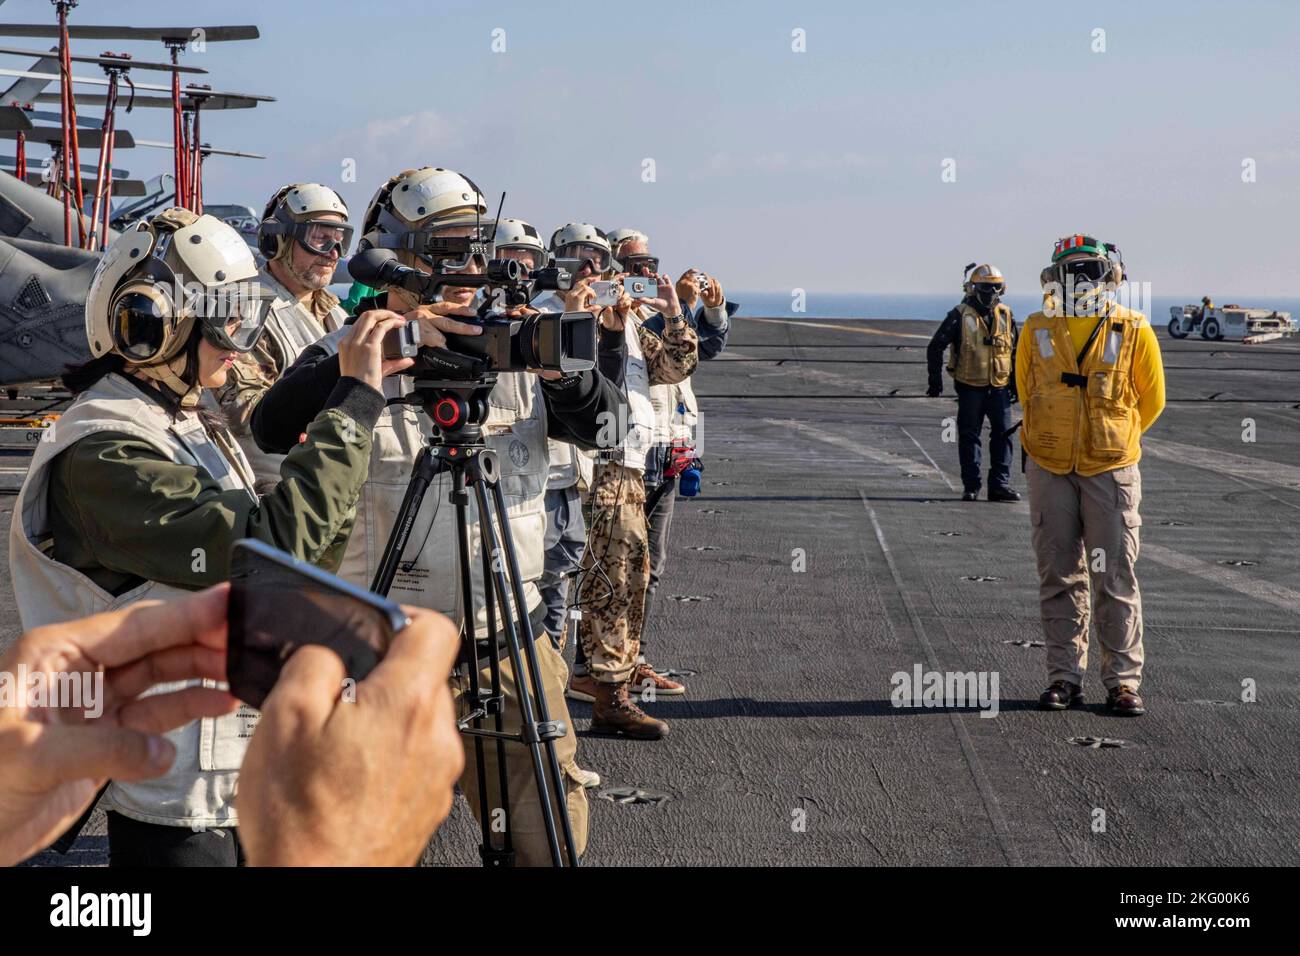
x=568, y=381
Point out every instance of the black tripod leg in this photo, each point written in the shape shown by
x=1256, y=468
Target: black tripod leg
x=534, y=672
x=494, y=676
x=488, y=852
x=425, y=469
x=528, y=728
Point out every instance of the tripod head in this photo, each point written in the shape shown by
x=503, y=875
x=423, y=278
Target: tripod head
x=458, y=409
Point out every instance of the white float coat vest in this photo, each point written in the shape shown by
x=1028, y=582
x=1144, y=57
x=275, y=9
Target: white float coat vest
x=569, y=463
x=640, y=412
x=199, y=789
x=293, y=327
x=677, y=414
x=427, y=573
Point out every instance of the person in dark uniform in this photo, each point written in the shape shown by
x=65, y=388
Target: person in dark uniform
x=980, y=334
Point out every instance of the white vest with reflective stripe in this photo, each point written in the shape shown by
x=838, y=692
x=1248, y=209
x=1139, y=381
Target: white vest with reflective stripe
x=427, y=575
x=292, y=327
x=199, y=789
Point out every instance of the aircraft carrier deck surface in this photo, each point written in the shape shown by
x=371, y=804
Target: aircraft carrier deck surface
x=787, y=750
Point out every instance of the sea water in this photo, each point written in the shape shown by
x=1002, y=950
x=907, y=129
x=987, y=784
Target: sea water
x=837, y=305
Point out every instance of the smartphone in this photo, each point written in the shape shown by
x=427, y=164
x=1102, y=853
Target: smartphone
x=403, y=341
x=641, y=287
x=606, y=293
x=278, y=603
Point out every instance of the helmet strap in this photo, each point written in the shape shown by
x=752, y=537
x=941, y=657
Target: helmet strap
x=172, y=373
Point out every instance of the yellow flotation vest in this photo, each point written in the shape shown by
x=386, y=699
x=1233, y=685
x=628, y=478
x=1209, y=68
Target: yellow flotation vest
x=982, y=356
x=1081, y=415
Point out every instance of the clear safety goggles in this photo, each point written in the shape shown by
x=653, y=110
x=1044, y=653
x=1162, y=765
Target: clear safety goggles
x=599, y=255
x=323, y=236
x=528, y=257
x=234, y=316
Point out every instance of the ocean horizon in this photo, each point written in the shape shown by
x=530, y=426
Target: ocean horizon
x=933, y=307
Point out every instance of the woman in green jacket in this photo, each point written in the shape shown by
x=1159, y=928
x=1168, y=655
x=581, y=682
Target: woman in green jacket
x=138, y=490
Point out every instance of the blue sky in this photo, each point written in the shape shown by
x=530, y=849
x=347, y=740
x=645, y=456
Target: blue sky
x=777, y=169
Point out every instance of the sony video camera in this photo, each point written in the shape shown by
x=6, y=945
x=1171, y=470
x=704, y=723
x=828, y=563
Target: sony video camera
x=550, y=341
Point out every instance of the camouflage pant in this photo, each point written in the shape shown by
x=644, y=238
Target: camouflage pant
x=610, y=627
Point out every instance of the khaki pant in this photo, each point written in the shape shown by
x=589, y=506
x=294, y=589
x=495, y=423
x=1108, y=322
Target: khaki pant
x=527, y=829
x=612, y=610
x=1085, y=531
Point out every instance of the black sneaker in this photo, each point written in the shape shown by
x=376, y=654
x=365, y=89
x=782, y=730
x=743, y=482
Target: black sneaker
x=1003, y=494
x=971, y=495
x=1060, y=696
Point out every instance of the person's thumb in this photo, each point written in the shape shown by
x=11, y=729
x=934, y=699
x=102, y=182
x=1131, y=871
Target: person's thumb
x=74, y=753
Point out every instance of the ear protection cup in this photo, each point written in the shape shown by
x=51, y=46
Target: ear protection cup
x=378, y=202
x=142, y=320
x=268, y=230
x=268, y=239
x=967, y=286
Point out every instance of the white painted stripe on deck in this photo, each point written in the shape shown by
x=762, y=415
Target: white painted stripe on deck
x=860, y=449
x=1269, y=472
x=1002, y=833
x=840, y=328
x=1224, y=577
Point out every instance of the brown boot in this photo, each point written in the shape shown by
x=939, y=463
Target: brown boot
x=1123, y=701
x=644, y=676
x=614, y=713
x=581, y=687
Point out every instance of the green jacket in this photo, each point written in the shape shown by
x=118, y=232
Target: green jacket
x=122, y=513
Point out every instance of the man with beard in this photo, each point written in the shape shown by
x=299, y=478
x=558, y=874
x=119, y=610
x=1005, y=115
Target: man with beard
x=304, y=231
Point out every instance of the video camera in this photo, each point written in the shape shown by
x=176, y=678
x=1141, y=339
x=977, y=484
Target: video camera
x=550, y=341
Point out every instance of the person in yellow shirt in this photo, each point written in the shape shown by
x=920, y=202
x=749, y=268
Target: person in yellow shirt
x=1090, y=380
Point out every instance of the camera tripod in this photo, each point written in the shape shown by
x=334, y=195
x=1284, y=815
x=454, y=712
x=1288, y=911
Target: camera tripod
x=458, y=411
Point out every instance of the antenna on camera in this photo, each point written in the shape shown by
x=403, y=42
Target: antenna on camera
x=496, y=223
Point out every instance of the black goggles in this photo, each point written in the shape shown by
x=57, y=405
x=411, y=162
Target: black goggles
x=1086, y=270
x=647, y=265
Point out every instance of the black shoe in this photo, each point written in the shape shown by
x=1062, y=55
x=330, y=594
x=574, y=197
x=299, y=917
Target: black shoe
x=1003, y=494
x=1123, y=701
x=971, y=495
x=1060, y=695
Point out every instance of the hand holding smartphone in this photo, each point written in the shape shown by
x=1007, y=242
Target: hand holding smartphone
x=278, y=603
x=641, y=287
x=607, y=293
